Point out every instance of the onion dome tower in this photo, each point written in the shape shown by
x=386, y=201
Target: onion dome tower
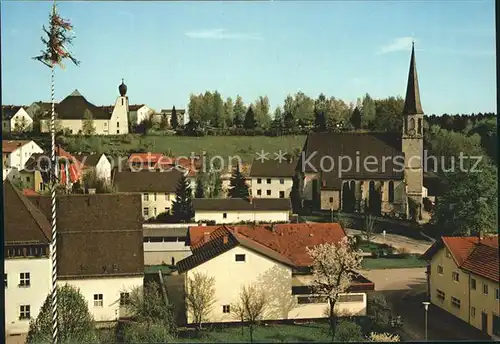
x=122, y=89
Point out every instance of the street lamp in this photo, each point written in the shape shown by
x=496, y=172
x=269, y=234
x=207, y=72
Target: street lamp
x=426, y=306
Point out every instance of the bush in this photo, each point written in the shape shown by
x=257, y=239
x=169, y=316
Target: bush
x=127, y=138
x=348, y=331
x=147, y=332
x=379, y=311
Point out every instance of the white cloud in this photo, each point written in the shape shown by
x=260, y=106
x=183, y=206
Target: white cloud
x=222, y=34
x=397, y=44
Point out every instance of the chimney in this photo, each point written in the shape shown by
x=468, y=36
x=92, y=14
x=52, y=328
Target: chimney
x=225, y=239
x=206, y=237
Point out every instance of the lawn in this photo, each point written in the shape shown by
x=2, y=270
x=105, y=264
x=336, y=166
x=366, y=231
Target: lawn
x=411, y=261
x=245, y=147
x=308, y=332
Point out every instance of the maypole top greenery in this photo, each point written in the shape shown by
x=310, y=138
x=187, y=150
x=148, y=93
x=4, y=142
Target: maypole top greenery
x=59, y=36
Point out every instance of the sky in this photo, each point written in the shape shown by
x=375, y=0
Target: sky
x=167, y=50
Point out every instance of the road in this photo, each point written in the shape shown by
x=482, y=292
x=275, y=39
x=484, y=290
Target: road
x=397, y=241
x=397, y=279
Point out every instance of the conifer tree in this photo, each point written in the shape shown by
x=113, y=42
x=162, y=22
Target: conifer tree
x=250, y=122
x=182, y=207
x=238, y=186
x=174, y=121
x=199, y=192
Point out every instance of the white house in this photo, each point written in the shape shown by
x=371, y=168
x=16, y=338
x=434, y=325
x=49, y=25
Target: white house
x=100, y=248
x=16, y=119
x=99, y=163
x=15, y=154
x=273, y=258
x=236, y=210
x=272, y=178
x=138, y=113
x=165, y=243
x=27, y=278
x=74, y=110
x=157, y=188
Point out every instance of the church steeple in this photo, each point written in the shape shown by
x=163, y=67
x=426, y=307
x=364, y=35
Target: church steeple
x=412, y=101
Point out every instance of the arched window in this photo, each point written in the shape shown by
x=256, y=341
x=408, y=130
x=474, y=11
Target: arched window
x=173, y=261
x=411, y=124
x=419, y=128
x=391, y=192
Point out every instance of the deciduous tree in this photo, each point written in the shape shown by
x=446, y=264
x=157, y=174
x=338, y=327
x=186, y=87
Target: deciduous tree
x=239, y=112
x=200, y=297
x=250, y=307
x=88, y=123
x=334, y=266
x=76, y=325
x=348, y=331
x=383, y=337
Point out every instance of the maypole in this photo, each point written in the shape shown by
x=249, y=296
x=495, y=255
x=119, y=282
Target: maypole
x=55, y=52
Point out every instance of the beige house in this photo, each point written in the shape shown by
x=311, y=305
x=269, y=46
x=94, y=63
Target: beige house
x=167, y=113
x=381, y=171
x=463, y=279
x=272, y=178
x=16, y=119
x=274, y=259
x=165, y=243
x=157, y=189
x=237, y=210
x=74, y=111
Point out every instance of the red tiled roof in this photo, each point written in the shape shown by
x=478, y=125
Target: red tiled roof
x=480, y=257
x=288, y=240
x=29, y=192
x=8, y=146
x=145, y=157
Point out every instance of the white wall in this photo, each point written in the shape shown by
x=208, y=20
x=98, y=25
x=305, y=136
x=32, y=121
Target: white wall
x=143, y=113
x=103, y=168
x=156, y=253
x=118, y=124
x=34, y=296
x=238, y=216
x=110, y=288
x=157, y=203
x=275, y=187
x=18, y=119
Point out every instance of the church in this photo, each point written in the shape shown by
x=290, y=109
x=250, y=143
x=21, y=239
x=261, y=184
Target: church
x=381, y=173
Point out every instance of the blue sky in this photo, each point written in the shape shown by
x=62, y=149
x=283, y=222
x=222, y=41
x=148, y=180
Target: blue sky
x=167, y=50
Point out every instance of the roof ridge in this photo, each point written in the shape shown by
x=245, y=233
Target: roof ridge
x=37, y=215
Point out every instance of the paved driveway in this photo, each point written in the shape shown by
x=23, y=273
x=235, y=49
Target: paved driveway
x=397, y=241
x=397, y=279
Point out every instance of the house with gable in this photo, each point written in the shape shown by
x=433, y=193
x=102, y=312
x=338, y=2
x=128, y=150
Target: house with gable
x=27, y=277
x=273, y=257
x=73, y=110
x=272, y=178
x=16, y=119
x=378, y=172
x=463, y=280
x=15, y=154
x=99, y=247
x=100, y=164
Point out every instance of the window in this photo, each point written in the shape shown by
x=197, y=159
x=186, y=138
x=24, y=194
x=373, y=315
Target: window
x=310, y=299
x=440, y=295
x=350, y=298
x=224, y=215
x=225, y=309
x=124, y=299
x=154, y=196
x=24, y=279
x=117, y=131
x=24, y=312
x=282, y=181
x=5, y=280
x=105, y=124
x=98, y=300
x=268, y=180
x=331, y=199
x=145, y=211
x=455, y=302
x=28, y=179
x=455, y=276
x=497, y=292
x=118, y=124
x=485, y=289
x=259, y=181
x=391, y=192
x=473, y=312
x=496, y=325
x=268, y=192
x=440, y=269
x=154, y=211
x=239, y=257
x=167, y=210
x=167, y=196
x=122, y=101
x=259, y=192
x=473, y=284
x=419, y=128
x=145, y=197
x=282, y=194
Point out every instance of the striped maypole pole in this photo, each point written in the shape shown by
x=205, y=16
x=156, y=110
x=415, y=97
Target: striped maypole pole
x=55, y=52
x=53, y=243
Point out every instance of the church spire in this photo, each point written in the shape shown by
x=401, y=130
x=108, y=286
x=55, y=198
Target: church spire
x=412, y=101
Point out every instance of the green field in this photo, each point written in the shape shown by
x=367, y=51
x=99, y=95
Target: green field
x=245, y=147
x=310, y=332
x=411, y=261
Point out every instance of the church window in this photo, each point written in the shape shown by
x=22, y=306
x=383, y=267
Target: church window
x=411, y=124
x=419, y=129
x=391, y=192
